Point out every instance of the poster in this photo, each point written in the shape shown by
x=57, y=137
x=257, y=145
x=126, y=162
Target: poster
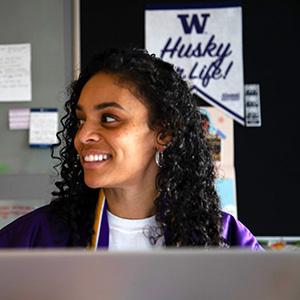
x=219, y=131
x=218, y=128
x=204, y=43
x=226, y=189
x=15, y=72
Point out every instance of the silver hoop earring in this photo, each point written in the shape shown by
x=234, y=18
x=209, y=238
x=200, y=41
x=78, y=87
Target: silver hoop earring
x=159, y=156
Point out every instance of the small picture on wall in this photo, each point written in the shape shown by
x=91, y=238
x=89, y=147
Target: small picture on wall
x=214, y=139
x=218, y=129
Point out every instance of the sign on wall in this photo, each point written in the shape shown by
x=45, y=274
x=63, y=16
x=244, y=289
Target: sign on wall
x=204, y=43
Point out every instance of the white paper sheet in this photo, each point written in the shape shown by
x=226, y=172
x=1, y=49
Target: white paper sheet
x=43, y=127
x=15, y=72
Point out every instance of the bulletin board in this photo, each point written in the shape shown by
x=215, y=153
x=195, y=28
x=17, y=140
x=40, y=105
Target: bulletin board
x=266, y=158
x=46, y=26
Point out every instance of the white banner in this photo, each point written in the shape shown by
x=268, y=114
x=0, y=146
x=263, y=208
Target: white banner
x=205, y=45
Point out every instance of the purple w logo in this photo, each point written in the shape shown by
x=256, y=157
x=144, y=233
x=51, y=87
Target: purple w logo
x=194, y=23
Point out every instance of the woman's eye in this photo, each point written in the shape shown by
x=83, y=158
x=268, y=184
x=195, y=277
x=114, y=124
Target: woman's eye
x=108, y=119
x=80, y=122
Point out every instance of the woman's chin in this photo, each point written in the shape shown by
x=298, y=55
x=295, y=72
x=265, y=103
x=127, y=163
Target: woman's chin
x=92, y=183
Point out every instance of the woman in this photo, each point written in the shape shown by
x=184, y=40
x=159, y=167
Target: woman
x=136, y=171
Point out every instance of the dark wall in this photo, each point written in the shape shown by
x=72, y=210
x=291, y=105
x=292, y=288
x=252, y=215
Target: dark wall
x=266, y=158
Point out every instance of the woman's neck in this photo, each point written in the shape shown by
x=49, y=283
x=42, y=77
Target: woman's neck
x=131, y=203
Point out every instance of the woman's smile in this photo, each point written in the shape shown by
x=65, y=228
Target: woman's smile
x=94, y=159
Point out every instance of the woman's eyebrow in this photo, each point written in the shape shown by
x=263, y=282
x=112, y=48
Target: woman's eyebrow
x=102, y=106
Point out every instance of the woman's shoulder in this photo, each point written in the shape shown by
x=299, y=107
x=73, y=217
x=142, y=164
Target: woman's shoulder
x=237, y=234
x=39, y=228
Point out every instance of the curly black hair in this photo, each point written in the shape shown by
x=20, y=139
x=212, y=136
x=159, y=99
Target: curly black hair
x=187, y=208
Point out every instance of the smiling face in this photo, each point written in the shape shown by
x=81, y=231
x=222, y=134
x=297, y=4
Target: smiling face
x=114, y=142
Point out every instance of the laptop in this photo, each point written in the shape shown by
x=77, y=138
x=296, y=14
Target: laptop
x=176, y=274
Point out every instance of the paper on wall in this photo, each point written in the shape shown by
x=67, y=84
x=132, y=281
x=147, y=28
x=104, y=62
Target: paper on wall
x=18, y=118
x=252, y=105
x=15, y=72
x=43, y=127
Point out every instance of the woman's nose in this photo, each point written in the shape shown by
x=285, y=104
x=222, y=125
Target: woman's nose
x=88, y=134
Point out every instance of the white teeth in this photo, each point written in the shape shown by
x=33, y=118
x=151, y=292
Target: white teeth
x=100, y=157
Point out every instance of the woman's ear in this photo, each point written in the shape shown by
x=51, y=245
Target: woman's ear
x=163, y=140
